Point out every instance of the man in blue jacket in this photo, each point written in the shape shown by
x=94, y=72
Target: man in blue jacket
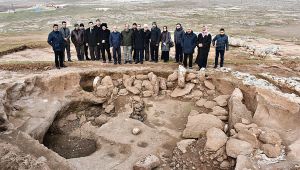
x=115, y=40
x=56, y=40
x=189, y=42
x=221, y=43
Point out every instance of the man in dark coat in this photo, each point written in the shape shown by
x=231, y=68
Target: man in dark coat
x=189, y=42
x=154, y=42
x=98, y=28
x=56, y=40
x=91, y=40
x=204, y=41
x=139, y=44
x=147, y=42
x=86, y=47
x=178, y=35
x=115, y=40
x=77, y=38
x=104, y=43
x=221, y=43
x=66, y=33
x=133, y=29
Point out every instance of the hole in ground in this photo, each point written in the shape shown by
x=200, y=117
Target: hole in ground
x=86, y=83
x=69, y=120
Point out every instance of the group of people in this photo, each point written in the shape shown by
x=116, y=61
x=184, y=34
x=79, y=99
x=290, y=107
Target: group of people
x=139, y=44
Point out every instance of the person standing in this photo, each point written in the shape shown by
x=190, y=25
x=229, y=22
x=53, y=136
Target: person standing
x=66, y=35
x=221, y=43
x=165, y=44
x=127, y=42
x=134, y=29
x=178, y=35
x=91, y=40
x=98, y=28
x=115, y=42
x=154, y=42
x=189, y=42
x=204, y=41
x=77, y=38
x=147, y=41
x=84, y=42
x=56, y=40
x=139, y=44
x=104, y=43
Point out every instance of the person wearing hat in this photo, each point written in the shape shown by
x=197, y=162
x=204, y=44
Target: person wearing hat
x=154, y=42
x=85, y=46
x=104, y=42
x=77, y=38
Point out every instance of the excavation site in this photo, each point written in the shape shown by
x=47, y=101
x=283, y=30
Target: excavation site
x=141, y=118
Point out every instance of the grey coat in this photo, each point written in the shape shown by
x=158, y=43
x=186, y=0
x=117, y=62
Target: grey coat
x=66, y=33
x=167, y=41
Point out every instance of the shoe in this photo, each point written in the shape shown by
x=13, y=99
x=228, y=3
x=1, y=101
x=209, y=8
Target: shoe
x=104, y=61
x=130, y=62
x=70, y=60
x=88, y=59
x=215, y=66
x=141, y=62
x=191, y=68
x=64, y=66
x=156, y=61
x=120, y=63
x=136, y=62
x=110, y=61
x=125, y=62
x=57, y=67
x=115, y=63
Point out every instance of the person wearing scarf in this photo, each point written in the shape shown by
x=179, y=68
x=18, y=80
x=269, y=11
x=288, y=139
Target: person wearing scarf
x=165, y=44
x=204, y=41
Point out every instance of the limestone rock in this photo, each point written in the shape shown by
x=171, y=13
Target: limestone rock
x=71, y=117
x=183, y=144
x=270, y=137
x=178, y=92
x=235, y=147
x=107, y=81
x=191, y=76
x=162, y=83
x=225, y=165
x=109, y=109
x=244, y=163
x=210, y=104
x=148, y=93
x=138, y=84
x=199, y=124
x=240, y=126
x=272, y=151
x=173, y=77
x=222, y=100
x=237, y=110
x=102, y=91
x=136, y=131
x=201, y=102
x=147, y=163
x=209, y=85
x=216, y=138
x=101, y=120
x=181, y=76
x=147, y=85
x=141, y=77
x=193, y=113
x=219, y=111
x=249, y=137
x=122, y=92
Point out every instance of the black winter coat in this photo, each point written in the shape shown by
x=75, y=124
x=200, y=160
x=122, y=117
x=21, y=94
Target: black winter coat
x=139, y=40
x=104, y=35
x=91, y=37
x=205, y=41
x=155, y=35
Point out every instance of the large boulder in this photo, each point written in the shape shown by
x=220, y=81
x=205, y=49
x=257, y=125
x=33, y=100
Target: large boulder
x=155, y=82
x=235, y=147
x=278, y=111
x=179, y=92
x=216, y=138
x=237, y=110
x=198, y=125
x=181, y=76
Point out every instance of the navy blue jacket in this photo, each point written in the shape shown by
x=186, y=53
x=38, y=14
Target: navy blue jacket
x=139, y=40
x=115, y=39
x=189, y=42
x=56, y=40
x=222, y=42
